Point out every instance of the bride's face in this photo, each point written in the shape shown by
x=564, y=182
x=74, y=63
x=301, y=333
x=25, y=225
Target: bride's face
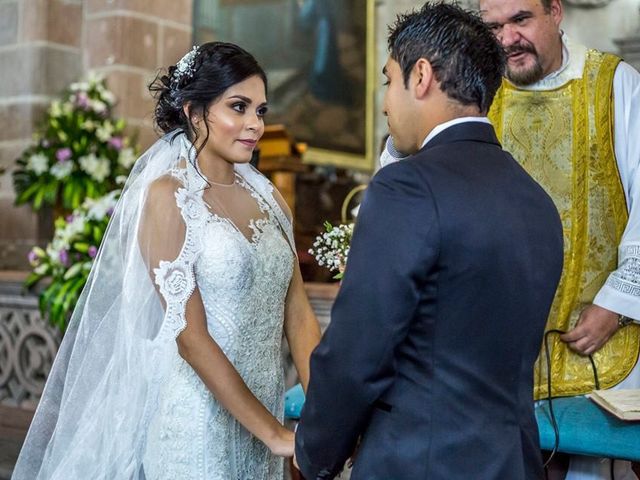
x=236, y=121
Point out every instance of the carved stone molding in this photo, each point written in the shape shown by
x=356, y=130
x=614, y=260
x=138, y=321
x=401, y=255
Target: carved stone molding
x=28, y=346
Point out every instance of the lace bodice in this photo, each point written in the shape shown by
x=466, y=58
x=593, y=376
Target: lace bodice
x=243, y=281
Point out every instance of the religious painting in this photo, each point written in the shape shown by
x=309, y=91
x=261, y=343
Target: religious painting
x=319, y=60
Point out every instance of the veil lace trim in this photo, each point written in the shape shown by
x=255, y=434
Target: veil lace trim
x=120, y=339
x=176, y=279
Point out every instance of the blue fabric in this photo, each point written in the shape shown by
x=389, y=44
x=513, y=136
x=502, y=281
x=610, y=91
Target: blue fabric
x=293, y=402
x=585, y=429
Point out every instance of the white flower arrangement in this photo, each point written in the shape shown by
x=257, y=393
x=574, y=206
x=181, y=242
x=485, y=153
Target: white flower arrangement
x=105, y=131
x=80, y=151
x=331, y=248
x=38, y=163
x=127, y=158
x=61, y=169
x=68, y=258
x=97, y=168
x=100, y=208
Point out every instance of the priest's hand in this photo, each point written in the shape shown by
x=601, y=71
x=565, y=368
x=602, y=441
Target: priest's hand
x=595, y=326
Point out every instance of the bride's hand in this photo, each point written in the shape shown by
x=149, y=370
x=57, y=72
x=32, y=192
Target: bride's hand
x=282, y=443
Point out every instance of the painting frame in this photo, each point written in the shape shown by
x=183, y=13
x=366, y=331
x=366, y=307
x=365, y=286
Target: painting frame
x=319, y=147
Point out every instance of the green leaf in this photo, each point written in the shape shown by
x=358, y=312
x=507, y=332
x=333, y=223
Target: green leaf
x=77, y=197
x=97, y=235
x=50, y=192
x=91, y=189
x=28, y=193
x=46, y=296
x=73, y=271
x=58, y=312
x=82, y=247
x=73, y=294
x=37, y=199
x=67, y=194
x=31, y=280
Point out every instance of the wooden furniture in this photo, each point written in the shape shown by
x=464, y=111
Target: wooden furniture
x=280, y=159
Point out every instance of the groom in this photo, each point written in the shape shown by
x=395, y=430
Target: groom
x=428, y=361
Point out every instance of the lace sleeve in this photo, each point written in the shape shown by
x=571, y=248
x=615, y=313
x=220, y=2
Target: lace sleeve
x=170, y=240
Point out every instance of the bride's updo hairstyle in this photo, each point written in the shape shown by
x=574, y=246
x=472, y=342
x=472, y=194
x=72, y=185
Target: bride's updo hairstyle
x=198, y=80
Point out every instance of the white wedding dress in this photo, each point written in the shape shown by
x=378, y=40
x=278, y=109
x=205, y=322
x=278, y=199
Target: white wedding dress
x=243, y=282
x=120, y=402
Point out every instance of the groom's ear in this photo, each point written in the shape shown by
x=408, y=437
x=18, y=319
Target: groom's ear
x=422, y=78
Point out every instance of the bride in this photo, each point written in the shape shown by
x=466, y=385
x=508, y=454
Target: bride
x=171, y=367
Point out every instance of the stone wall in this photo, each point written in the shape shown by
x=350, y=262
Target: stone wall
x=40, y=50
x=128, y=41
x=47, y=44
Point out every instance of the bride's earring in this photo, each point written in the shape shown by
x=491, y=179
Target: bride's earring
x=195, y=123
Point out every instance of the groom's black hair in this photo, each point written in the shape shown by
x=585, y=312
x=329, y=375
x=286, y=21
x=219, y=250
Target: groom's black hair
x=465, y=56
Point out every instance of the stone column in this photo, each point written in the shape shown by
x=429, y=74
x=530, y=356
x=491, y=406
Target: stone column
x=128, y=41
x=40, y=54
x=629, y=49
x=47, y=44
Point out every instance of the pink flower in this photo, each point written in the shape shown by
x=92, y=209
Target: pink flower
x=64, y=257
x=82, y=100
x=33, y=258
x=116, y=143
x=93, y=251
x=63, y=154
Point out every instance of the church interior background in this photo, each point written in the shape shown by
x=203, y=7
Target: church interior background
x=332, y=141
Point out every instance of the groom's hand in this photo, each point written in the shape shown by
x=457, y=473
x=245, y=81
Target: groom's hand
x=296, y=474
x=354, y=455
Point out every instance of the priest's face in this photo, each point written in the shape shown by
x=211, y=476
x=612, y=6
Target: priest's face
x=529, y=31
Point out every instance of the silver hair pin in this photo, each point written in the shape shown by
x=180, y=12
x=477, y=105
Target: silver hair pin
x=186, y=66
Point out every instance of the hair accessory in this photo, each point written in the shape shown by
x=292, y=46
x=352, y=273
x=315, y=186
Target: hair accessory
x=185, y=67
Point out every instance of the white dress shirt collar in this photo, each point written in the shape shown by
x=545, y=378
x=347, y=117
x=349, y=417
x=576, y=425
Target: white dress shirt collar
x=443, y=126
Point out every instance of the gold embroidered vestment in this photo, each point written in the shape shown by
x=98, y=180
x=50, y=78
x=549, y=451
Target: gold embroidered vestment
x=564, y=139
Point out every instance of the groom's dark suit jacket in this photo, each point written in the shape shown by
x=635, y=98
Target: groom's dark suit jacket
x=429, y=356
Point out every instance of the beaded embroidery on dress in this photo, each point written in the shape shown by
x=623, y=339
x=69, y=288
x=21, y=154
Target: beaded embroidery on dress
x=120, y=403
x=242, y=271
